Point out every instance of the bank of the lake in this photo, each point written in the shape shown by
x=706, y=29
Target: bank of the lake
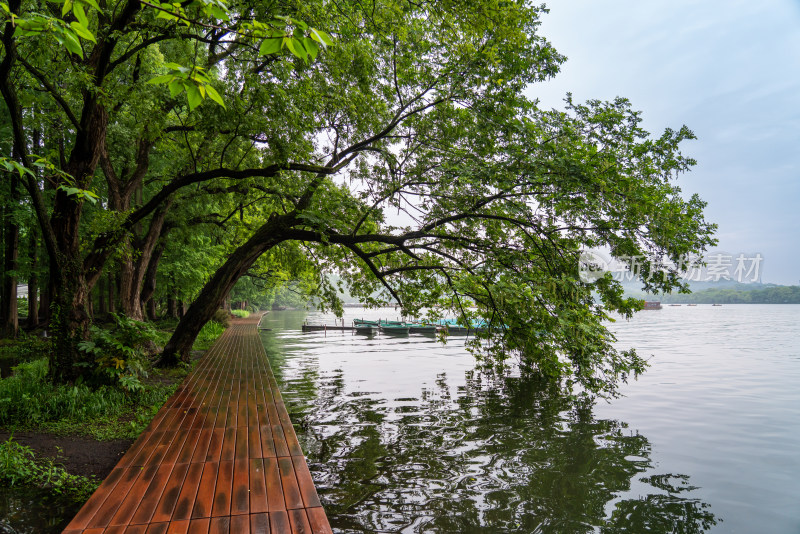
x=404, y=436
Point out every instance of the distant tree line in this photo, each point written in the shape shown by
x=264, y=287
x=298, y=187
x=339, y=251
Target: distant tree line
x=768, y=295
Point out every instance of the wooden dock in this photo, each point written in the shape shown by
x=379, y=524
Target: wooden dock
x=221, y=456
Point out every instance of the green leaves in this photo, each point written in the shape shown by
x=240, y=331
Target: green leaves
x=192, y=80
x=86, y=194
x=291, y=34
x=68, y=35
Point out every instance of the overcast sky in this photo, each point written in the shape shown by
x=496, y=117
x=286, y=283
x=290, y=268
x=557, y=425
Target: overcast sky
x=730, y=70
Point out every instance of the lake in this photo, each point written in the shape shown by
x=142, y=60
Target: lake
x=403, y=434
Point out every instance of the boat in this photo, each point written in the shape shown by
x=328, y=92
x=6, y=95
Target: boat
x=691, y=304
x=416, y=328
x=395, y=329
x=357, y=322
x=365, y=328
x=716, y=304
x=652, y=305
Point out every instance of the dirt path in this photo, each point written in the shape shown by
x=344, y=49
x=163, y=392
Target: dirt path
x=79, y=455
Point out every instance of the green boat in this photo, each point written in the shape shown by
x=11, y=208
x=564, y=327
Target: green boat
x=423, y=328
x=365, y=328
x=395, y=329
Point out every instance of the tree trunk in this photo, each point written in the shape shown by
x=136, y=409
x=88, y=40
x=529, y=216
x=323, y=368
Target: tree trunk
x=172, y=307
x=217, y=289
x=9, y=313
x=45, y=300
x=112, y=283
x=33, y=280
x=101, y=296
x=69, y=324
x=149, y=283
x=128, y=289
x=134, y=272
x=150, y=307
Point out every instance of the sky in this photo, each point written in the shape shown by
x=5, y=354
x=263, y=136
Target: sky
x=730, y=71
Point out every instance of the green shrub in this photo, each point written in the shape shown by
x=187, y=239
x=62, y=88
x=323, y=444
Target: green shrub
x=208, y=334
x=29, y=400
x=25, y=348
x=222, y=317
x=121, y=352
x=20, y=466
x=240, y=313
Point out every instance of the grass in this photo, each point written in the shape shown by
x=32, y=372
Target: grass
x=29, y=401
x=208, y=335
x=244, y=314
x=19, y=466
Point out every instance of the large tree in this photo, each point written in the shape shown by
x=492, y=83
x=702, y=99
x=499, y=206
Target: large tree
x=401, y=152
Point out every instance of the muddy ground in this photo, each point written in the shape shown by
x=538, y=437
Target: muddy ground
x=78, y=455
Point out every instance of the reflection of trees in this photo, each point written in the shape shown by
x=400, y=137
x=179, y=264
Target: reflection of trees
x=34, y=511
x=499, y=455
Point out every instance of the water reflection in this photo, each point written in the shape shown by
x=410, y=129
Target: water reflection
x=483, y=455
x=33, y=511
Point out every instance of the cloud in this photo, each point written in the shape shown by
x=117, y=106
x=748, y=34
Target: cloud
x=731, y=72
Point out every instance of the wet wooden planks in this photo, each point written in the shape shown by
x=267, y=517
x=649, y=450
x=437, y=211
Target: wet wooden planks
x=221, y=456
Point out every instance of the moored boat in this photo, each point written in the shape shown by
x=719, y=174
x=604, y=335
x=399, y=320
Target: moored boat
x=423, y=328
x=365, y=328
x=395, y=329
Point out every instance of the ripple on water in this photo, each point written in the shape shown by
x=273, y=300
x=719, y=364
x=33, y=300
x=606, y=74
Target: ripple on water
x=411, y=439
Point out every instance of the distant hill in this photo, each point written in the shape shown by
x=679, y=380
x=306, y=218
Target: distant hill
x=733, y=293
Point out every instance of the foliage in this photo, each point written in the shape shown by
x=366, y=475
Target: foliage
x=406, y=158
x=222, y=318
x=25, y=348
x=240, y=313
x=120, y=353
x=28, y=400
x=208, y=334
x=20, y=466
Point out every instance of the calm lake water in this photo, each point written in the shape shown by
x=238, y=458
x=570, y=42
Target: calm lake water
x=404, y=435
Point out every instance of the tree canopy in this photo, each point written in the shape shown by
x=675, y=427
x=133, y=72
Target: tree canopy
x=192, y=144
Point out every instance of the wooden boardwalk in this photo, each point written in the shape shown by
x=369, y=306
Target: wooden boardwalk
x=220, y=456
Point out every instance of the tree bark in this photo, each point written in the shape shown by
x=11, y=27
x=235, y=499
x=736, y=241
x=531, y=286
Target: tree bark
x=33, y=280
x=149, y=283
x=45, y=300
x=150, y=308
x=134, y=272
x=101, y=296
x=128, y=305
x=69, y=324
x=112, y=284
x=9, y=313
x=172, y=307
